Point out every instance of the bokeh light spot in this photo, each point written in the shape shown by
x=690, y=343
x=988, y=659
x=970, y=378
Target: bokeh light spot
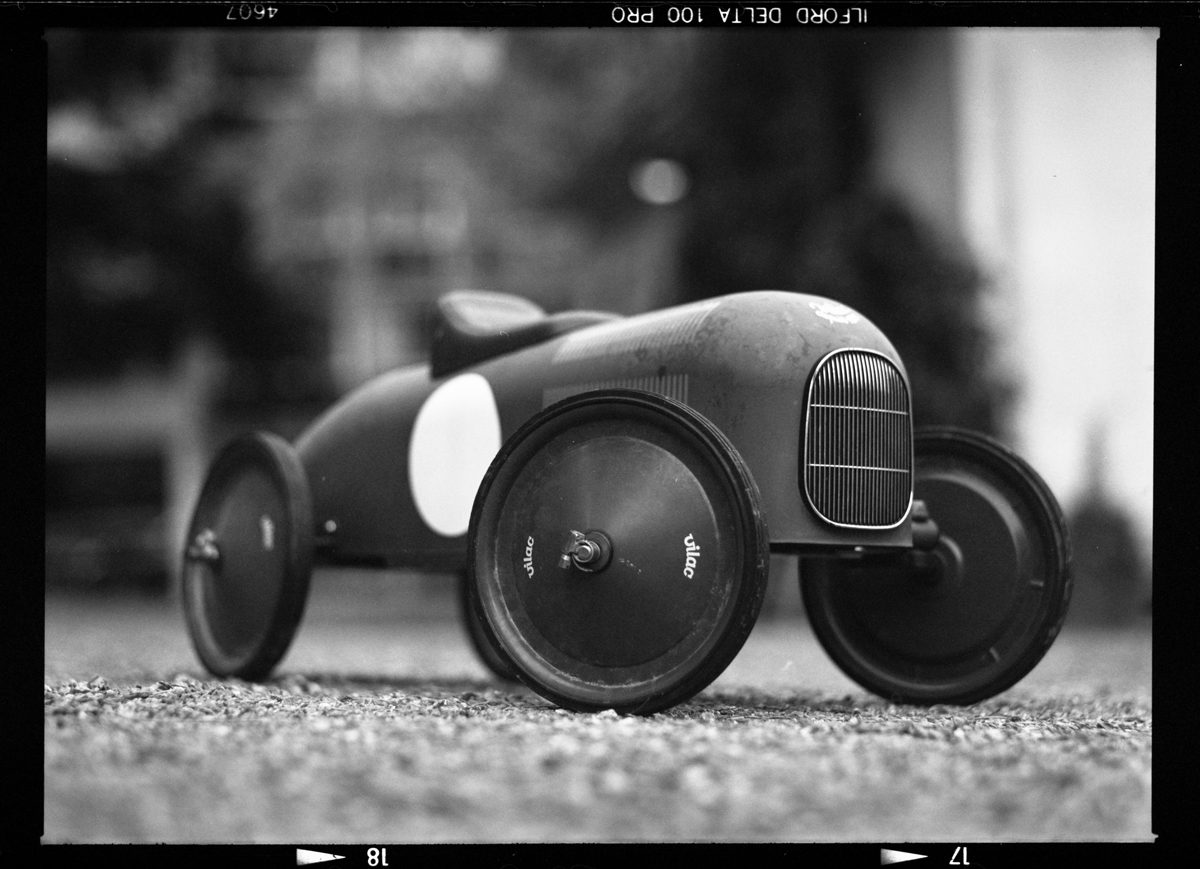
x=659, y=182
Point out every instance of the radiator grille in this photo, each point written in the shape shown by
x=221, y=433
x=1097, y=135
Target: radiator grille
x=858, y=441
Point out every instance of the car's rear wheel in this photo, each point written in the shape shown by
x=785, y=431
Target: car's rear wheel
x=248, y=557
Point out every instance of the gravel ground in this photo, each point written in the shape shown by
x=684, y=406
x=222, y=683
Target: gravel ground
x=381, y=730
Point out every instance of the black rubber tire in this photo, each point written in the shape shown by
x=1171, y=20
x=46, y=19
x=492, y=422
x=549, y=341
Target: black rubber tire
x=991, y=607
x=492, y=658
x=244, y=604
x=659, y=621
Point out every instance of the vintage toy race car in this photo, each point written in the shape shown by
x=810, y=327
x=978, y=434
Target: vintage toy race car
x=610, y=489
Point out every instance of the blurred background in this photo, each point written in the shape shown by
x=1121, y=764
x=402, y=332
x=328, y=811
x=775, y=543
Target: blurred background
x=245, y=225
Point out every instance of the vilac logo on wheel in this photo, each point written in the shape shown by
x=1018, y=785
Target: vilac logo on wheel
x=268, y=532
x=691, y=553
x=527, y=561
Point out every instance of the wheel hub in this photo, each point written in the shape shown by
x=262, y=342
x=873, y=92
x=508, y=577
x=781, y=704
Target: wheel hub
x=590, y=552
x=204, y=548
x=940, y=570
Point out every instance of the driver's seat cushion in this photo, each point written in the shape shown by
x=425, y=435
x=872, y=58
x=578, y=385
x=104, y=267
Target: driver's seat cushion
x=474, y=325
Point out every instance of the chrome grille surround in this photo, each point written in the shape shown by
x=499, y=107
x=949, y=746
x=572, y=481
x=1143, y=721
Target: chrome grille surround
x=857, y=451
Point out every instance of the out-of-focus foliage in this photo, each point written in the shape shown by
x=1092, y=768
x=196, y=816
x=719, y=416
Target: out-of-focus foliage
x=774, y=133
x=575, y=110
x=777, y=136
x=148, y=234
x=874, y=254
x=1112, y=576
x=151, y=263
x=532, y=151
x=140, y=258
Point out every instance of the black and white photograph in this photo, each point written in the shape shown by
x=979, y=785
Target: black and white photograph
x=680, y=424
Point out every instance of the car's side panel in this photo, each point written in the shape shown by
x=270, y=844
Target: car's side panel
x=743, y=361
x=355, y=455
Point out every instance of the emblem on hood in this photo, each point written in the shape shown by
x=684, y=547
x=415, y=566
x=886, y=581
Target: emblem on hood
x=834, y=312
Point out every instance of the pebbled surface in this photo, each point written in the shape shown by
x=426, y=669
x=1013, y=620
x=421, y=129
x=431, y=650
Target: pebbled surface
x=378, y=729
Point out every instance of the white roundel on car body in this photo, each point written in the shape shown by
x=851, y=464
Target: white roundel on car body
x=455, y=437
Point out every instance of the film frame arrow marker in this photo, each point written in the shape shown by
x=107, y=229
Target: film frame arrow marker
x=887, y=856
x=303, y=858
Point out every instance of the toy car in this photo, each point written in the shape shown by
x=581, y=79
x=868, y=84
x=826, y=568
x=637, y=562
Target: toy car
x=610, y=489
